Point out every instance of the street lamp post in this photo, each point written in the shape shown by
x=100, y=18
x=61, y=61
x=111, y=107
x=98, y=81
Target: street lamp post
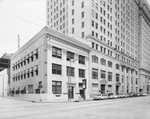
x=3, y=84
x=69, y=79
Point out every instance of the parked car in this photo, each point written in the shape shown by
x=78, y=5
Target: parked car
x=120, y=95
x=135, y=95
x=144, y=94
x=112, y=96
x=131, y=94
x=100, y=97
x=126, y=95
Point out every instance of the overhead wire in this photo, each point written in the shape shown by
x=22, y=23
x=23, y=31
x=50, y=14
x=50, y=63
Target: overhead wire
x=31, y=22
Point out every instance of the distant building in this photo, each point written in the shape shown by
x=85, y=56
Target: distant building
x=144, y=37
x=4, y=87
x=4, y=74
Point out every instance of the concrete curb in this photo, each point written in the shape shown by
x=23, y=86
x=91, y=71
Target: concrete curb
x=38, y=101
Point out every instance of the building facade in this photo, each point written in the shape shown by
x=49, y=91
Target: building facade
x=144, y=27
x=51, y=66
x=110, y=27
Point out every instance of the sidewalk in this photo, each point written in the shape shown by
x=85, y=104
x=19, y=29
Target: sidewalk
x=39, y=101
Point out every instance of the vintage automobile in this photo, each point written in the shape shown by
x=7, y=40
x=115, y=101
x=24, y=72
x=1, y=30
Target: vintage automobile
x=100, y=97
x=120, y=96
x=112, y=96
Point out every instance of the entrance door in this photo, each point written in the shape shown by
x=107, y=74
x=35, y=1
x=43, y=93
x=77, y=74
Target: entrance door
x=117, y=90
x=82, y=93
x=71, y=92
x=102, y=88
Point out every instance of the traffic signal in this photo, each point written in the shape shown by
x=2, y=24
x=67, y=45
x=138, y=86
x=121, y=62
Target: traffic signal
x=84, y=83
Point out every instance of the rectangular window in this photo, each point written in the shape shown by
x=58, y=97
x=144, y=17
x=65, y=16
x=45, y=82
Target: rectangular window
x=72, y=2
x=92, y=23
x=70, y=71
x=72, y=30
x=117, y=66
x=93, y=33
x=81, y=73
x=103, y=74
x=82, y=4
x=56, y=52
x=82, y=25
x=81, y=59
x=73, y=12
x=92, y=45
x=56, y=69
x=96, y=25
x=56, y=87
x=70, y=55
x=109, y=76
x=82, y=34
x=94, y=73
x=82, y=15
x=117, y=77
x=73, y=21
x=96, y=15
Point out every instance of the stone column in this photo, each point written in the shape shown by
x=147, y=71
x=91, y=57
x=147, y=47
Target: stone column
x=49, y=68
x=64, y=71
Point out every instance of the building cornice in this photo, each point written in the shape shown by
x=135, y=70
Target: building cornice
x=144, y=69
x=66, y=39
x=29, y=43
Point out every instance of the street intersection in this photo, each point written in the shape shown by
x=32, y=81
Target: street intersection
x=126, y=108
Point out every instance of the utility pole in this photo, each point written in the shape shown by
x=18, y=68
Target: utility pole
x=18, y=42
x=69, y=79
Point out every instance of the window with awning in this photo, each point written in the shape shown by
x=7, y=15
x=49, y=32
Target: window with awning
x=36, y=54
x=36, y=70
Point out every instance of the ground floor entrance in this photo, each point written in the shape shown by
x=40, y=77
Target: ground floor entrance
x=71, y=92
x=117, y=90
x=103, y=88
x=82, y=93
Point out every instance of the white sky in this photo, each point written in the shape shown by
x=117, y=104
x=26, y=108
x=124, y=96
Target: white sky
x=23, y=17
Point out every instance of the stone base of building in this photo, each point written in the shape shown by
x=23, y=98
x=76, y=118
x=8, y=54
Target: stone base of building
x=49, y=97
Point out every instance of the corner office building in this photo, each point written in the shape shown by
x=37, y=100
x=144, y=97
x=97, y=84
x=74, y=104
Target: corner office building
x=42, y=69
x=43, y=66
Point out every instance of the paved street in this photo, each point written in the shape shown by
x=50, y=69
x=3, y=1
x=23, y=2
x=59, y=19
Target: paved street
x=129, y=108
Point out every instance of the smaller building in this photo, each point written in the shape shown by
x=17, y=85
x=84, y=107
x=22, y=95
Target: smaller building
x=4, y=74
x=51, y=66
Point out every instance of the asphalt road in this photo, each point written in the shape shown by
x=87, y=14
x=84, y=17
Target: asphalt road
x=128, y=108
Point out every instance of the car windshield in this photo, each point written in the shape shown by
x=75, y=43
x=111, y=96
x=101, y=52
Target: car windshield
x=104, y=94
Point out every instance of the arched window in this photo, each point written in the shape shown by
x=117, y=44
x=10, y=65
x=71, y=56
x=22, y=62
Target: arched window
x=103, y=61
x=109, y=64
x=117, y=66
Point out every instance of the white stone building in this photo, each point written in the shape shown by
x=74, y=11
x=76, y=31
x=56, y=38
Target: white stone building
x=45, y=65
